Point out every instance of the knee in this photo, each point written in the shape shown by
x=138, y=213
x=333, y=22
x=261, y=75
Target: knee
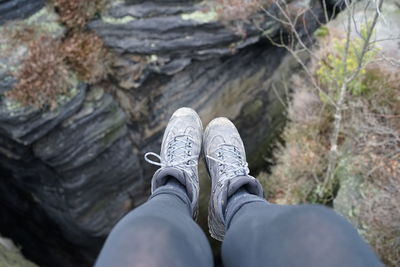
x=316, y=221
x=313, y=211
x=143, y=241
x=146, y=227
x=316, y=215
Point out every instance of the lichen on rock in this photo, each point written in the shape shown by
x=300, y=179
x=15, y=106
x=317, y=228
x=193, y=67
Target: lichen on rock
x=201, y=16
x=10, y=255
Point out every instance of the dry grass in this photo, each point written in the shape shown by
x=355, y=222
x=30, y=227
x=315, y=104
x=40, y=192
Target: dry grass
x=47, y=68
x=301, y=162
x=235, y=14
x=233, y=10
x=376, y=121
x=50, y=64
x=43, y=76
x=76, y=13
x=86, y=54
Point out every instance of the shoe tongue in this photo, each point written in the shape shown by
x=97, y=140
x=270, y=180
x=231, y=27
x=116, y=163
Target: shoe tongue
x=180, y=151
x=230, y=155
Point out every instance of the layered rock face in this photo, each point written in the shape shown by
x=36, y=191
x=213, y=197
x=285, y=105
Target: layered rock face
x=18, y=9
x=68, y=174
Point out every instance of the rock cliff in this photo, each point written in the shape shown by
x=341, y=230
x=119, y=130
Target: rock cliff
x=69, y=173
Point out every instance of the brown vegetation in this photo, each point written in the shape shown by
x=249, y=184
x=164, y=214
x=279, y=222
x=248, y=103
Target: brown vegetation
x=43, y=76
x=375, y=127
x=76, y=13
x=301, y=162
x=47, y=69
x=233, y=10
x=86, y=54
x=234, y=14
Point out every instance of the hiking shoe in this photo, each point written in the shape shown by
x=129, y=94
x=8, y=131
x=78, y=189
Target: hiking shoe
x=180, y=150
x=226, y=163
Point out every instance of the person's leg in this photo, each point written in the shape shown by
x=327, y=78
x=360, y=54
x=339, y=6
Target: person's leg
x=161, y=232
x=263, y=234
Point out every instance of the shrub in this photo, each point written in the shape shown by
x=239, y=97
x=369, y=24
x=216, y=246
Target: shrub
x=301, y=162
x=232, y=10
x=234, y=14
x=43, y=75
x=85, y=53
x=321, y=32
x=76, y=13
x=330, y=71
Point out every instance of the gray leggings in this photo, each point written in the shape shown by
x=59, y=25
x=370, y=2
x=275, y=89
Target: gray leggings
x=161, y=232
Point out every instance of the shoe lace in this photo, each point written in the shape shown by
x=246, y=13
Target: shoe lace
x=179, y=154
x=230, y=161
